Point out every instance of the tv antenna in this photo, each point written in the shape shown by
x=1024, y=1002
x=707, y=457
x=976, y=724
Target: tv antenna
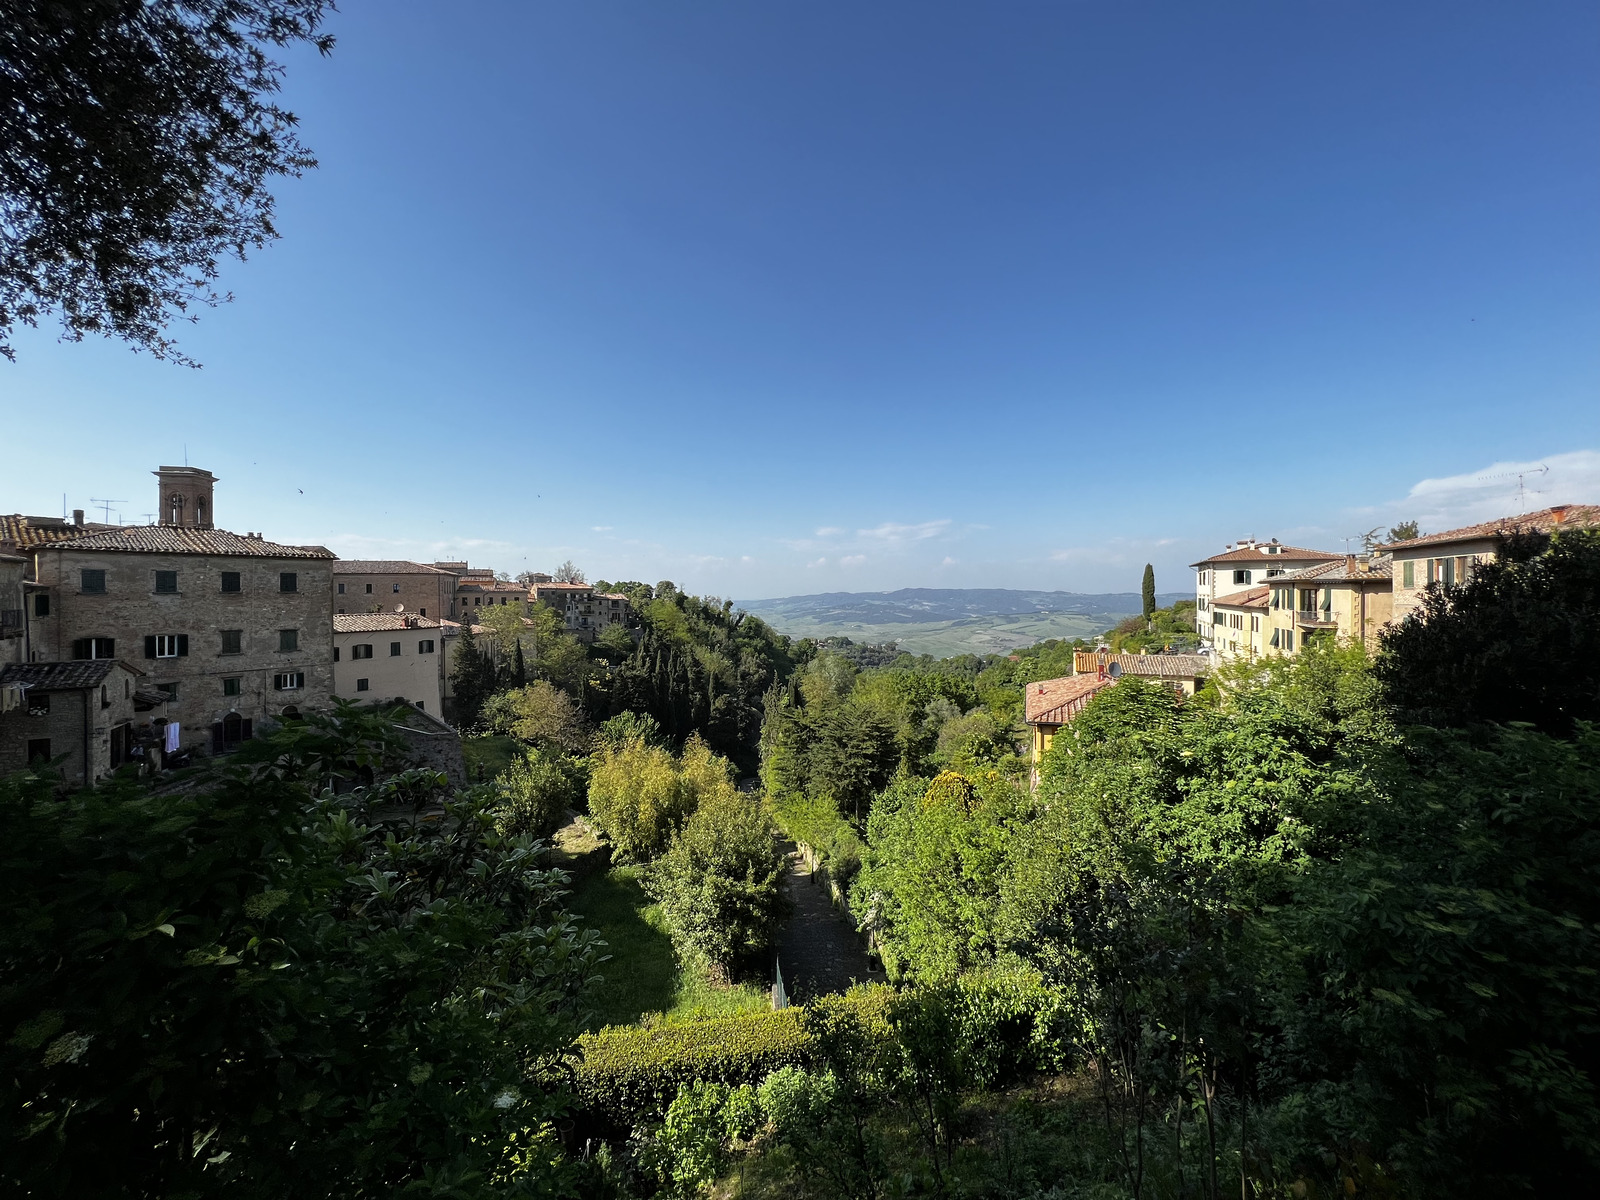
x=1520, y=477
x=106, y=504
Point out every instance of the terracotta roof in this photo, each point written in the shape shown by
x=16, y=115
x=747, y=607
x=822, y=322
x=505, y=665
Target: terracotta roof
x=63, y=676
x=384, y=566
x=1380, y=569
x=1048, y=699
x=560, y=586
x=1255, y=597
x=380, y=622
x=1546, y=520
x=489, y=585
x=24, y=532
x=171, y=539
x=1259, y=554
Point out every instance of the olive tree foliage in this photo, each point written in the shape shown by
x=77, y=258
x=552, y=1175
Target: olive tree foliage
x=137, y=143
x=641, y=794
x=253, y=986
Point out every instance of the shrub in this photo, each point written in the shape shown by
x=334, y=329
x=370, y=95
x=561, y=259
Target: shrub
x=616, y=732
x=535, y=793
x=718, y=881
x=687, y=1150
x=638, y=797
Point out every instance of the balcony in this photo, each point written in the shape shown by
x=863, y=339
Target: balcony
x=1316, y=618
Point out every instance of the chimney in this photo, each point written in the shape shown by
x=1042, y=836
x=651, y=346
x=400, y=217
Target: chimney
x=1559, y=512
x=77, y=517
x=184, y=497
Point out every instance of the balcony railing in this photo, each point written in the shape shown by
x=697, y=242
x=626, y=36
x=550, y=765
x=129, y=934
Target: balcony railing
x=1315, y=616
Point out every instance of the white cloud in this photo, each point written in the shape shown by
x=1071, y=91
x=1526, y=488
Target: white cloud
x=745, y=558
x=829, y=531
x=820, y=562
x=852, y=560
x=1490, y=492
x=948, y=561
x=602, y=528
x=889, y=531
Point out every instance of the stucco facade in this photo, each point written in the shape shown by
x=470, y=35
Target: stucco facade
x=382, y=657
x=1246, y=564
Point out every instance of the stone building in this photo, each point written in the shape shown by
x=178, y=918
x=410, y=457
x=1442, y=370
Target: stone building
x=477, y=588
x=231, y=629
x=585, y=613
x=380, y=657
x=380, y=585
x=84, y=711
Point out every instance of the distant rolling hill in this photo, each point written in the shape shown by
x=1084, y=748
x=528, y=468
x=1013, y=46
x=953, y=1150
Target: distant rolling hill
x=945, y=621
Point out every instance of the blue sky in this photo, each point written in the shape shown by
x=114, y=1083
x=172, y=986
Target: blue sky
x=787, y=297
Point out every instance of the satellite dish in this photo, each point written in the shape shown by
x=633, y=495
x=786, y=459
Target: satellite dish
x=1114, y=670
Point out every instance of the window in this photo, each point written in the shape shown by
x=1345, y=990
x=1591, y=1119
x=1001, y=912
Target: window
x=1288, y=639
x=233, y=641
x=1241, y=576
x=230, y=581
x=166, y=645
x=288, y=581
x=289, y=681
x=369, y=589
x=38, y=748
x=41, y=605
x=422, y=612
x=363, y=685
x=1272, y=571
x=394, y=649
x=341, y=589
x=38, y=705
x=421, y=705
x=94, y=648
x=171, y=690
x=397, y=587
x=231, y=686
x=1203, y=575
x=336, y=654
x=288, y=639
x=1255, y=623
x=425, y=646
x=361, y=651
x=92, y=583
x=166, y=581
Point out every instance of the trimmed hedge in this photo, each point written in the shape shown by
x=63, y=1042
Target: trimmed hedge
x=628, y=1072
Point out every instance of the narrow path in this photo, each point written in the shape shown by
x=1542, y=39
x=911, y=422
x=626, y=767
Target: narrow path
x=820, y=951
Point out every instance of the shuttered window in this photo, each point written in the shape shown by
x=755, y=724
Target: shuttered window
x=288, y=581
x=166, y=581
x=230, y=581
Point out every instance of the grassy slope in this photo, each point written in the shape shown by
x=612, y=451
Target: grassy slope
x=488, y=756
x=643, y=976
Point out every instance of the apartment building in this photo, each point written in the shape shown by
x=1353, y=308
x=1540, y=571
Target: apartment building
x=228, y=629
x=584, y=612
x=477, y=588
x=1242, y=565
x=383, y=657
x=1350, y=599
x=1238, y=622
x=1450, y=556
x=384, y=585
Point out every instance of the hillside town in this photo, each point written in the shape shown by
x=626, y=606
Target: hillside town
x=156, y=644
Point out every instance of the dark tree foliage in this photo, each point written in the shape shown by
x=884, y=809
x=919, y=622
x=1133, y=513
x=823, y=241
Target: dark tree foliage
x=473, y=678
x=1519, y=641
x=699, y=667
x=1404, y=531
x=1147, y=590
x=250, y=986
x=137, y=139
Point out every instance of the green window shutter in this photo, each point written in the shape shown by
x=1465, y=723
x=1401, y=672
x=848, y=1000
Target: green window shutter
x=183, y=645
x=150, y=645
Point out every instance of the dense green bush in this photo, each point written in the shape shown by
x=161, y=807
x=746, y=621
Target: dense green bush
x=718, y=882
x=628, y=1073
x=536, y=791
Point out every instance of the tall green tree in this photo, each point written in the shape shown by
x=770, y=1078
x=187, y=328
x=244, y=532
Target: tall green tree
x=473, y=680
x=1147, y=590
x=137, y=143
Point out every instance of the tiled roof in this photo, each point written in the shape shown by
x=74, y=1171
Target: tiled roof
x=1255, y=597
x=490, y=585
x=380, y=622
x=1259, y=554
x=556, y=587
x=25, y=532
x=384, y=566
x=63, y=676
x=1046, y=700
x=1546, y=520
x=171, y=539
x=1378, y=569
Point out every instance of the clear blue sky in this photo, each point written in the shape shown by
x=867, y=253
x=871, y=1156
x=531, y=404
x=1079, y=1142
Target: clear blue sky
x=940, y=295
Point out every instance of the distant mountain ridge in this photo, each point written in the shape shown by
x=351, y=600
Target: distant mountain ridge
x=920, y=605
x=945, y=621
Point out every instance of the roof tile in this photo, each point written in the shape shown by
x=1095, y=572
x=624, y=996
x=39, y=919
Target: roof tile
x=1546, y=520
x=172, y=539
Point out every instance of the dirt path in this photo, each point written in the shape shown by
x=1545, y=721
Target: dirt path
x=820, y=951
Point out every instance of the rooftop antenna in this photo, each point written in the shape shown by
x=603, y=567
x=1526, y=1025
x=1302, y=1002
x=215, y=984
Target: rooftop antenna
x=1520, y=477
x=106, y=504
x=149, y=518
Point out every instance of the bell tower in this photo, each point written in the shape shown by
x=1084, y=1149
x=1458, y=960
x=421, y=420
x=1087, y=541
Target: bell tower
x=185, y=497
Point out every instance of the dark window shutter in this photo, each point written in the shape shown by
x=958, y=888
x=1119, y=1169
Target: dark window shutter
x=150, y=645
x=183, y=644
x=336, y=654
x=217, y=745
x=80, y=648
x=244, y=729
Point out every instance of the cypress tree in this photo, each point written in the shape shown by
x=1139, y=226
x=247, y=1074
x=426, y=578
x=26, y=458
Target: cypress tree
x=1149, y=590
x=519, y=670
x=473, y=679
